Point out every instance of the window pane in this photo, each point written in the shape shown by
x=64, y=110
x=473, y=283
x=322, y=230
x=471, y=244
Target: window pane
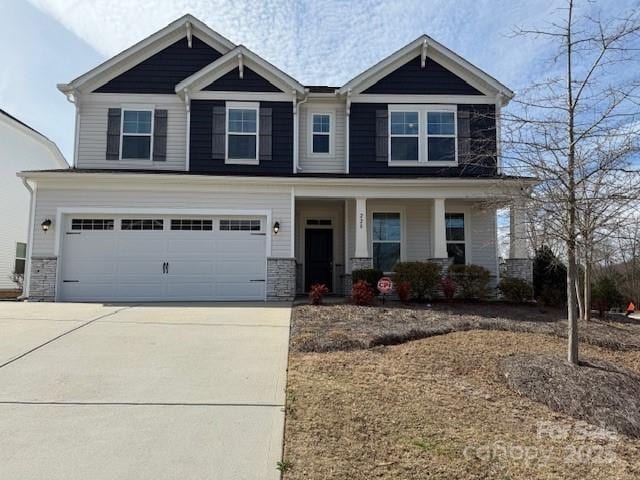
x=455, y=226
x=456, y=250
x=385, y=256
x=442, y=149
x=136, y=122
x=404, y=123
x=404, y=148
x=19, y=267
x=242, y=120
x=386, y=226
x=321, y=144
x=21, y=250
x=242, y=146
x=440, y=123
x=136, y=147
x=321, y=123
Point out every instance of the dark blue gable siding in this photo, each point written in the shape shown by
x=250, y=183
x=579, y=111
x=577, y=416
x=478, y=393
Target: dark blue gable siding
x=411, y=78
x=251, y=82
x=161, y=72
x=362, y=147
x=200, y=159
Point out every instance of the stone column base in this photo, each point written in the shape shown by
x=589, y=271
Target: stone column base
x=520, y=268
x=281, y=279
x=42, y=285
x=444, y=263
x=357, y=263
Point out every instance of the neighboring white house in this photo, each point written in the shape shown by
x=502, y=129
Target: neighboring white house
x=21, y=148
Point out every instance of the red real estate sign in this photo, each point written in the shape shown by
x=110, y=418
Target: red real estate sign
x=385, y=285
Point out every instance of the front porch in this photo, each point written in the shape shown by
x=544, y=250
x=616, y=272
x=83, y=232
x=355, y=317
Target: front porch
x=334, y=236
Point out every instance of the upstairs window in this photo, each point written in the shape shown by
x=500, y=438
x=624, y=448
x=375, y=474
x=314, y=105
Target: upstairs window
x=456, y=246
x=242, y=133
x=422, y=135
x=441, y=137
x=137, y=131
x=321, y=133
x=405, y=139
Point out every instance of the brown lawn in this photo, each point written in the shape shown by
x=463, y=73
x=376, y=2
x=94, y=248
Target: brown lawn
x=438, y=408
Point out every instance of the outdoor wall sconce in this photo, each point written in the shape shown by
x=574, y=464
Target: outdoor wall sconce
x=45, y=225
x=276, y=227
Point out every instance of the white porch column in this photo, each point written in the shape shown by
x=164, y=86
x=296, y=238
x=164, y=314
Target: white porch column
x=517, y=232
x=362, y=245
x=439, y=229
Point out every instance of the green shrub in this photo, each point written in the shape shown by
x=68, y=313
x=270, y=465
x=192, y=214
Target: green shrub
x=549, y=278
x=516, y=289
x=472, y=280
x=369, y=275
x=605, y=295
x=423, y=277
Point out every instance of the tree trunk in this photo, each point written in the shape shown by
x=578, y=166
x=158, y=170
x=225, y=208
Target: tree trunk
x=579, y=297
x=587, y=291
x=572, y=319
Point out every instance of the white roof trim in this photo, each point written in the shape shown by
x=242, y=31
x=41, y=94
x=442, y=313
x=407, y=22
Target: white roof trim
x=146, y=48
x=229, y=62
x=436, y=51
x=38, y=137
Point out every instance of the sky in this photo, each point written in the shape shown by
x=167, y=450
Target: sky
x=321, y=42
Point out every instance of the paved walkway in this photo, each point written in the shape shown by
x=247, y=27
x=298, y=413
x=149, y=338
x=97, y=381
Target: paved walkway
x=165, y=391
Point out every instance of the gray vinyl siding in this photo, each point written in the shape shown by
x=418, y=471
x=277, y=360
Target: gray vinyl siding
x=163, y=197
x=317, y=163
x=92, y=141
x=418, y=228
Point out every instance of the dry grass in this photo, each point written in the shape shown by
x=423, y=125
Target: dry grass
x=350, y=327
x=439, y=408
x=598, y=392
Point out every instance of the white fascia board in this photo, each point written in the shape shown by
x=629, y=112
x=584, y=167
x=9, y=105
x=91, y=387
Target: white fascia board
x=438, y=52
x=230, y=61
x=343, y=187
x=420, y=99
x=146, y=48
x=38, y=137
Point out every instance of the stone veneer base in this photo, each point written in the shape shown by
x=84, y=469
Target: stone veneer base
x=281, y=279
x=42, y=285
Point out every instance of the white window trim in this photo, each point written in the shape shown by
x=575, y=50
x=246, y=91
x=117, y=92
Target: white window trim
x=243, y=106
x=137, y=108
x=403, y=230
x=21, y=258
x=423, y=137
x=467, y=232
x=331, y=134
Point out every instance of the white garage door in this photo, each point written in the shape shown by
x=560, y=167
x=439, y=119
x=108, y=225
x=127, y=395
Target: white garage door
x=167, y=258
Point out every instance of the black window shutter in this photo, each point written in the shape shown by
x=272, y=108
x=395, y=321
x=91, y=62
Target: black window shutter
x=265, y=134
x=113, y=134
x=382, y=136
x=160, y=136
x=218, y=133
x=464, y=136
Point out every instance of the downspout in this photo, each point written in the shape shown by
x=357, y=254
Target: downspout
x=346, y=132
x=296, y=130
x=27, y=271
x=72, y=98
x=187, y=105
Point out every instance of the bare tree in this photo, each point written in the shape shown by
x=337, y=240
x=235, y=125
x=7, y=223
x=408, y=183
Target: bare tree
x=576, y=131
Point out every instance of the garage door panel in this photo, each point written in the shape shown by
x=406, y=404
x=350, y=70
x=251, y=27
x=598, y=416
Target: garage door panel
x=129, y=265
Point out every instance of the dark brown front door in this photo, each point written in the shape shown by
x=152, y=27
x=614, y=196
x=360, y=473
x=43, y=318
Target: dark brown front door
x=318, y=257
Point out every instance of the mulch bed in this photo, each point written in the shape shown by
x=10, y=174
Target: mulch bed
x=350, y=327
x=598, y=392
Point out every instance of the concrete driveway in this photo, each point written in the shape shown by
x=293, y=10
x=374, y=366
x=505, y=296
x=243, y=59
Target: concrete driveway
x=168, y=391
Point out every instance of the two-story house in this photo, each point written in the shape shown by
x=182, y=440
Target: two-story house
x=203, y=172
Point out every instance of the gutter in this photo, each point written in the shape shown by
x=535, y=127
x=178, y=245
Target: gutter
x=296, y=129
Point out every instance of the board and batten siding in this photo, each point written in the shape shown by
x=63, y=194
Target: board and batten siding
x=92, y=141
x=217, y=198
x=316, y=163
x=418, y=228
